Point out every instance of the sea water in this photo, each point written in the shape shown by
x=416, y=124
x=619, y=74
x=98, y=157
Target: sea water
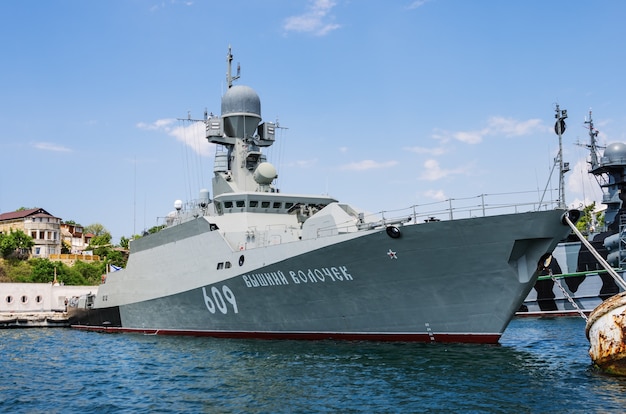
x=540, y=366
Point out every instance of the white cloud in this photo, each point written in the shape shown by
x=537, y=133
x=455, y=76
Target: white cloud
x=581, y=187
x=417, y=3
x=48, y=146
x=437, y=195
x=367, y=165
x=469, y=137
x=306, y=163
x=422, y=150
x=159, y=124
x=316, y=20
x=512, y=128
x=433, y=172
x=496, y=126
x=190, y=134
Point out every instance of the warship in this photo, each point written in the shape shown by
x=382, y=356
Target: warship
x=249, y=261
x=576, y=282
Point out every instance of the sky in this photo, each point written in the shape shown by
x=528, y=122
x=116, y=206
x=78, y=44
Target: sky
x=381, y=104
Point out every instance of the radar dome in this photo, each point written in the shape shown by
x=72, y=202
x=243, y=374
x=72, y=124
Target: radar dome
x=615, y=152
x=241, y=110
x=178, y=204
x=265, y=173
x=241, y=100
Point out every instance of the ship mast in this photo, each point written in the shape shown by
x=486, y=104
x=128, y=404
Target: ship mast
x=229, y=77
x=593, y=144
x=559, y=129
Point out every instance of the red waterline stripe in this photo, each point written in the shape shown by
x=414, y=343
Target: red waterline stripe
x=388, y=337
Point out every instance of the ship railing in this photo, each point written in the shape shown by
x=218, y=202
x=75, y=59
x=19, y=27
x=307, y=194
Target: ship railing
x=578, y=274
x=457, y=208
x=449, y=209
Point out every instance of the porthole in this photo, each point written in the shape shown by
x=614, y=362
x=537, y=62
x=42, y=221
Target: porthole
x=38, y=299
x=24, y=299
x=241, y=260
x=9, y=299
x=393, y=232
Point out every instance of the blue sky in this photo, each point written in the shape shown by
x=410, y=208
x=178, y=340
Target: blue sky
x=385, y=104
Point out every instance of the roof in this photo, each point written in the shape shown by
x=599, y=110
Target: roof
x=14, y=215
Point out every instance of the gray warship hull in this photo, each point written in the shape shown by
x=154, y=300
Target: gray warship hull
x=255, y=262
x=446, y=281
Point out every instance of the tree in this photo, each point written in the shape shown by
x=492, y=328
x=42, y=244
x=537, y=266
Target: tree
x=65, y=247
x=7, y=245
x=16, y=244
x=96, y=229
x=589, y=220
x=42, y=270
x=20, y=271
x=101, y=240
x=91, y=273
x=156, y=229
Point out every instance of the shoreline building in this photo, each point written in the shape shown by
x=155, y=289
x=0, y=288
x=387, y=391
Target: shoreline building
x=43, y=227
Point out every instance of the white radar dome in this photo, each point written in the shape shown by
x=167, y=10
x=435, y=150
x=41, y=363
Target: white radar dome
x=178, y=204
x=265, y=173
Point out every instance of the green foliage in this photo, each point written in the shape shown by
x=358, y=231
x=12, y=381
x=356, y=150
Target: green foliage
x=66, y=248
x=14, y=242
x=101, y=240
x=4, y=277
x=124, y=242
x=40, y=270
x=117, y=258
x=90, y=272
x=7, y=245
x=19, y=271
x=156, y=229
x=589, y=220
x=96, y=229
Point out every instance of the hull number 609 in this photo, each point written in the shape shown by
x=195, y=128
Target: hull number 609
x=217, y=300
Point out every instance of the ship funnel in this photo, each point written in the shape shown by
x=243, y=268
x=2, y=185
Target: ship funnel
x=241, y=110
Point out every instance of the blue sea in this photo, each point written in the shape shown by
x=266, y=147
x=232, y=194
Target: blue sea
x=540, y=366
